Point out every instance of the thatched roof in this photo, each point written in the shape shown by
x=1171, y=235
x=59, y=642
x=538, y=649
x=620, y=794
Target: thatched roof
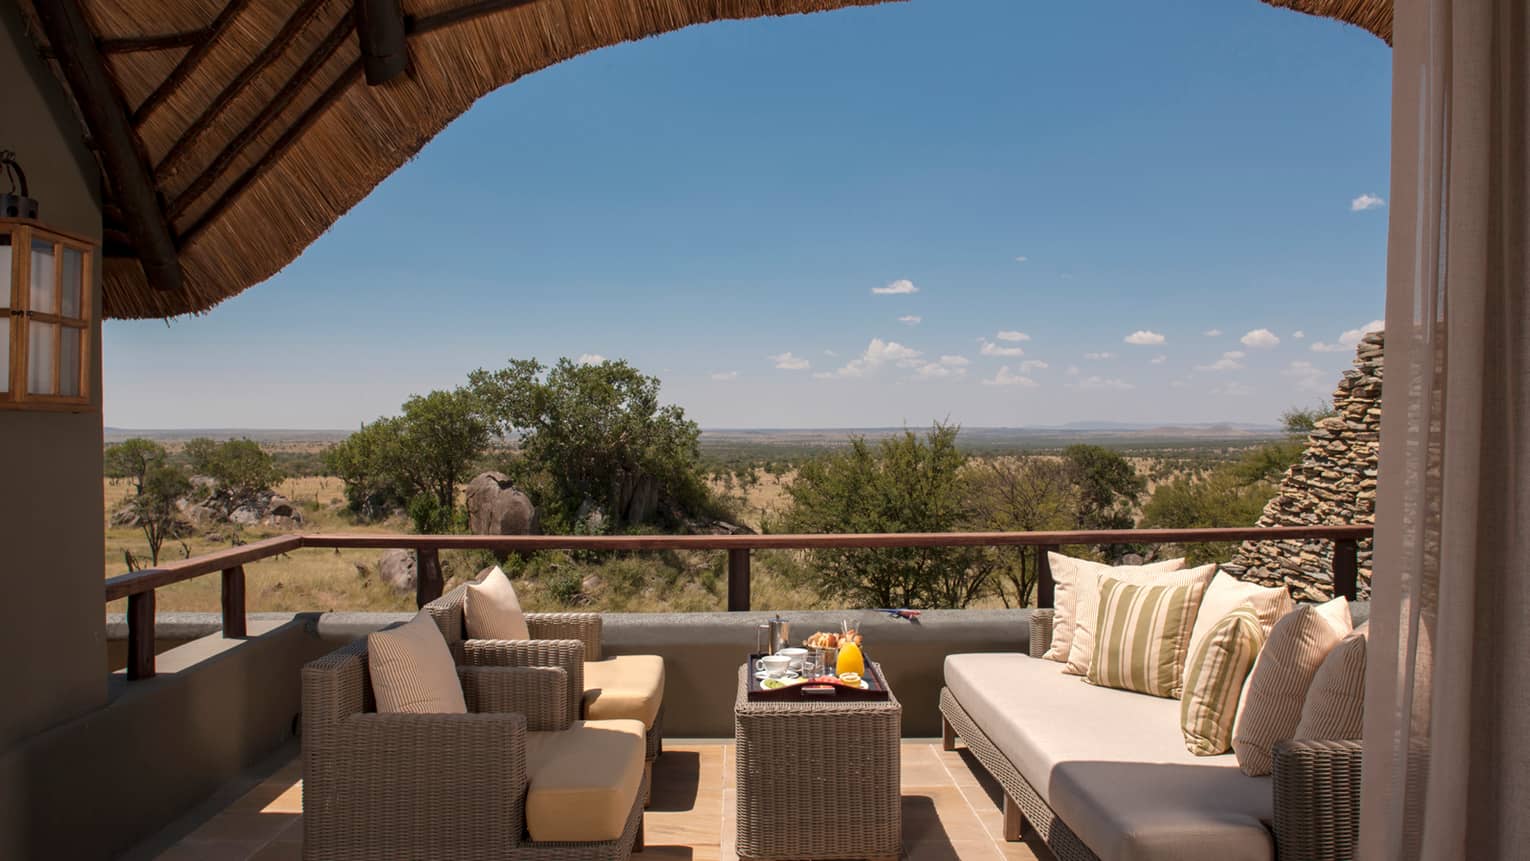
x=232, y=133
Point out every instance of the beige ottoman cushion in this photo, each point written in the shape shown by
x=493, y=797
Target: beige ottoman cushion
x=626, y=686
x=584, y=780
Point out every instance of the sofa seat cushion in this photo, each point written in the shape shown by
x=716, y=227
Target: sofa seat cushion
x=626, y=686
x=1112, y=764
x=583, y=780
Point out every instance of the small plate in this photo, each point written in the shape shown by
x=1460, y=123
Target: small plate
x=789, y=676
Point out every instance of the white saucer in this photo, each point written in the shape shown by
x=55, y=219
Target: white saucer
x=788, y=676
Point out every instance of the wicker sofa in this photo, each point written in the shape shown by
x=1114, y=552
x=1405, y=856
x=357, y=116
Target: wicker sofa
x=1104, y=774
x=624, y=686
x=515, y=778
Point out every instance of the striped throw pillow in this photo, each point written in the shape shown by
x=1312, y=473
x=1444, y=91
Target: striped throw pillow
x=1214, y=676
x=1141, y=635
x=1272, y=705
x=1335, y=707
x=412, y=670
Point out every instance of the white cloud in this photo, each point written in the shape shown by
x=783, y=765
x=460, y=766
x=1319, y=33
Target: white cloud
x=897, y=288
x=1021, y=259
x=787, y=362
x=1158, y=360
x=879, y=353
x=948, y=366
x=1032, y=365
x=1320, y=347
x=1234, y=389
x=1298, y=335
x=1102, y=384
x=992, y=349
x=1366, y=201
x=1072, y=371
x=910, y=319
x=724, y=376
x=830, y=353
x=1144, y=338
x=1260, y=339
x=1012, y=335
x=1095, y=357
x=1212, y=333
x=1006, y=377
x=589, y=359
x=1353, y=336
x=1230, y=361
x=1309, y=377
x=1179, y=384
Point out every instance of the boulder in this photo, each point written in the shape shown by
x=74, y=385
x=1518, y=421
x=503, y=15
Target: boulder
x=396, y=568
x=279, y=506
x=496, y=508
x=244, y=515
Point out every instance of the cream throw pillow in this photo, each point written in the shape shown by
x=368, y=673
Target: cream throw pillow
x=492, y=610
x=1272, y=705
x=412, y=670
x=1141, y=637
x=1081, y=652
x=1226, y=594
x=1335, y=706
x=1066, y=573
x=1214, y=677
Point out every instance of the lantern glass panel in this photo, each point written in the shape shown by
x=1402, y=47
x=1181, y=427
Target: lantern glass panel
x=44, y=283
x=5, y=353
x=69, y=362
x=5, y=271
x=72, y=289
x=42, y=356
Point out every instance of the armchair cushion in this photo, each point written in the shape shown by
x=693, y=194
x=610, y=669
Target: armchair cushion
x=492, y=610
x=412, y=670
x=626, y=686
x=584, y=780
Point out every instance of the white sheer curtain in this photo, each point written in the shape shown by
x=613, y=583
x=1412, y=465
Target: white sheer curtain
x=1447, y=724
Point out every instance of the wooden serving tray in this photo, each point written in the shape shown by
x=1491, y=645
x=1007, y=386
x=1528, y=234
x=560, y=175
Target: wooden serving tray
x=807, y=693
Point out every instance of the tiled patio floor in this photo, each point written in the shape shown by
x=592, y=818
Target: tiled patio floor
x=951, y=810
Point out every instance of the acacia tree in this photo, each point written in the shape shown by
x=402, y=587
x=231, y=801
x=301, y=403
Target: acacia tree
x=132, y=459
x=1028, y=493
x=904, y=484
x=594, y=434
x=155, y=505
x=240, y=467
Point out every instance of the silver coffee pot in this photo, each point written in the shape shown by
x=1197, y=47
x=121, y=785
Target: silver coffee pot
x=780, y=634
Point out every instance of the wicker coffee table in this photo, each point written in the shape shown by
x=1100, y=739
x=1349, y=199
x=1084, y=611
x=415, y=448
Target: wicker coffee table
x=817, y=779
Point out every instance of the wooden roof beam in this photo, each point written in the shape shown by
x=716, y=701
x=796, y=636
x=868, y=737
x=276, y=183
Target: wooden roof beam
x=127, y=167
x=189, y=63
x=384, y=46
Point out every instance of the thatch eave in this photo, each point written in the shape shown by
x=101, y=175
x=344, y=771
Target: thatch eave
x=238, y=131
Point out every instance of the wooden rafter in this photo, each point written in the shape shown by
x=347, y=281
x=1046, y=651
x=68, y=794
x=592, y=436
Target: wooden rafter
x=381, y=33
x=280, y=43
x=121, y=152
x=468, y=11
x=277, y=104
x=189, y=63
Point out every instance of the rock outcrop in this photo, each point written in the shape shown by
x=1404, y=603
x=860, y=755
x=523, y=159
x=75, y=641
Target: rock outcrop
x=496, y=508
x=396, y=568
x=1333, y=483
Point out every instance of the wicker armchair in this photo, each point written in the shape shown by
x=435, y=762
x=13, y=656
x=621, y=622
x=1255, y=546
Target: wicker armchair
x=432, y=786
x=1316, y=785
x=546, y=629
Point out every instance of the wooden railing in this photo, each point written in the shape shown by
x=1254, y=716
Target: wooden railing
x=138, y=587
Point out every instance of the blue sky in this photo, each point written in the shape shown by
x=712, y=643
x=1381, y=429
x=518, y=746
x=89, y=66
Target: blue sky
x=720, y=206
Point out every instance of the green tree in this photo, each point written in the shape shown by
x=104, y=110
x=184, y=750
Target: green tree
x=595, y=434
x=240, y=467
x=1300, y=421
x=1028, y=493
x=904, y=484
x=155, y=505
x=416, y=460
x=132, y=459
x=1224, y=498
x=1108, y=487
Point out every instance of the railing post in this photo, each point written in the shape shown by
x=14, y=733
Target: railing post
x=1045, y=586
x=233, y=603
x=1346, y=568
x=427, y=576
x=738, y=579
x=140, y=644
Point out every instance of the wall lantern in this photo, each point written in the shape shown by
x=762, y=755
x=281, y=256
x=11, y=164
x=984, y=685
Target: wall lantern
x=45, y=305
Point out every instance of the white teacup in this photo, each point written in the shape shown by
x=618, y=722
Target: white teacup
x=795, y=654
x=773, y=665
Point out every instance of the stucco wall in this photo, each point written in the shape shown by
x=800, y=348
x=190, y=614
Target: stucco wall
x=51, y=620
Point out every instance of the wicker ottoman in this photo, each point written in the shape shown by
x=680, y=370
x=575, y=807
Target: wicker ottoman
x=817, y=779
